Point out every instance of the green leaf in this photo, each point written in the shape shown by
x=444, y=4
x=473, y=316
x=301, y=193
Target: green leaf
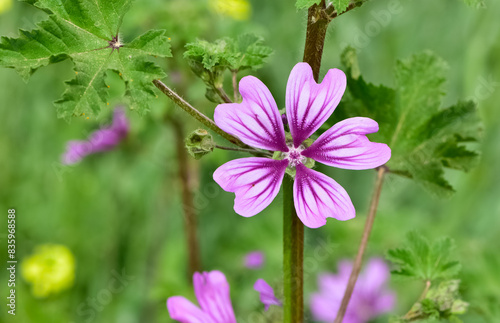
x=209, y=60
x=248, y=52
x=341, y=5
x=302, y=4
x=86, y=31
x=421, y=260
x=424, y=137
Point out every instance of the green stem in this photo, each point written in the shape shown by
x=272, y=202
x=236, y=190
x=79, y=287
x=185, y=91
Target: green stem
x=317, y=24
x=197, y=114
x=293, y=229
x=252, y=151
x=293, y=257
x=234, y=74
x=222, y=94
x=356, y=268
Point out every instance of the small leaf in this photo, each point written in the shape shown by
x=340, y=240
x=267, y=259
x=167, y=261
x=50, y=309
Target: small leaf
x=424, y=261
x=209, y=60
x=302, y=4
x=424, y=137
x=341, y=5
x=86, y=31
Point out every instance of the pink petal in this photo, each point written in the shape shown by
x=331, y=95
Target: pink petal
x=266, y=294
x=317, y=197
x=345, y=145
x=120, y=123
x=76, y=151
x=182, y=310
x=385, y=302
x=374, y=276
x=212, y=293
x=104, y=139
x=254, y=260
x=255, y=181
x=256, y=121
x=324, y=308
x=308, y=104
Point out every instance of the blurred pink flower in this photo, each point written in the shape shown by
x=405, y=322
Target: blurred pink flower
x=257, y=122
x=254, y=259
x=212, y=292
x=103, y=139
x=370, y=298
x=266, y=294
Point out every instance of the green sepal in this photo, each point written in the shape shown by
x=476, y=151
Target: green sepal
x=199, y=143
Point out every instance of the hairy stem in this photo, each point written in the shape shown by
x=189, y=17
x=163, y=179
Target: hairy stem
x=317, y=24
x=235, y=85
x=197, y=114
x=252, y=151
x=411, y=315
x=293, y=229
x=293, y=257
x=187, y=200
x=223, y=95
x=364, y=242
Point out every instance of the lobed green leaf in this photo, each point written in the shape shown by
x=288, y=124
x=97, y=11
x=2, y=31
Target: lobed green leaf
x=424, y=137
x=419, y=259
x=81, y=31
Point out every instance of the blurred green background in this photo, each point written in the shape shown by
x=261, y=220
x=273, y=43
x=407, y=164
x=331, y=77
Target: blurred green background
x=122, y=212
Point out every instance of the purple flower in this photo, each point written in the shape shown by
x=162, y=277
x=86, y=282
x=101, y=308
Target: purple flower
x=266, y=294
x=212, y=293
x=369, y=299
x=257, y=122
x=254, y=260
x=101, y=140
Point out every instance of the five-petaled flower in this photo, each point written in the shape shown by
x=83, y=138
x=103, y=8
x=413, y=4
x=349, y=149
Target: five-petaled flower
x=257, y=122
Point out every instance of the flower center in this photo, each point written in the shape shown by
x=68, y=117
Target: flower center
x=294, y=156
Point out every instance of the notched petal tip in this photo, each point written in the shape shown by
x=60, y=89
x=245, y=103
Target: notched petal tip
x=309, y=104
x=317, y=196
x=256, y=120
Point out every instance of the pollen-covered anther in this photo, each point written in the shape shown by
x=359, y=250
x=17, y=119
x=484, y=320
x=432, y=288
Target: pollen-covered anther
x=294, y=156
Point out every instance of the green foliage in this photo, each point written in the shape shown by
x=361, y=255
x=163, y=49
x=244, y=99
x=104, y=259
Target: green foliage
x=209, y=60
x=302, y=4
x=421, y=260
x=245, y=52
x=424, y=138
x=199, y=143
x=86, y=32
x=440, y=303
x=341, y=5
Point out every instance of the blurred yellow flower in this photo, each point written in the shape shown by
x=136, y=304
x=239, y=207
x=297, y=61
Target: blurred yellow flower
x=5, y=5
x=236, y=9
x=51, y=269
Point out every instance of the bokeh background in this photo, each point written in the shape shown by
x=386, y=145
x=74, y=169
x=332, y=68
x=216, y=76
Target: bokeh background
x=121, y=212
